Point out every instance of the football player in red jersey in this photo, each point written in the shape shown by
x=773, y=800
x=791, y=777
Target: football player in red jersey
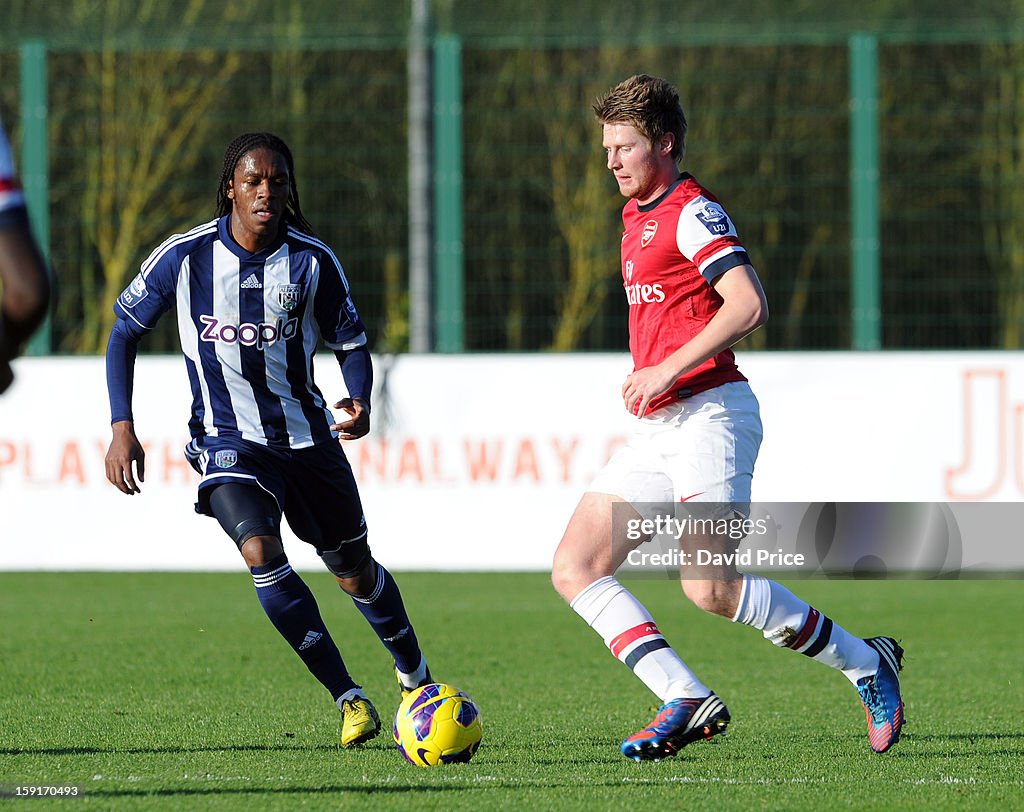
x=692, y=294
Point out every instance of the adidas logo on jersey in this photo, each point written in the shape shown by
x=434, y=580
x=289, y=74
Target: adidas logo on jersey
x=311, y=638
x=251, y=283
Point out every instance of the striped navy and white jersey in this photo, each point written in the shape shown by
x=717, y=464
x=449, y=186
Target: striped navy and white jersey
x=249, y=326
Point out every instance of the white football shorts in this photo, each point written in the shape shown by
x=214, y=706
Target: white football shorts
x=701, y=449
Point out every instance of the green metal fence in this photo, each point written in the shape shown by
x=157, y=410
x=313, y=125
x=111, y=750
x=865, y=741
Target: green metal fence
x=876, y=179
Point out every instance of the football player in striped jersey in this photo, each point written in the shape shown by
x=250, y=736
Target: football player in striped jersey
x=255, y=292
x=24, y=280
x=692, y=294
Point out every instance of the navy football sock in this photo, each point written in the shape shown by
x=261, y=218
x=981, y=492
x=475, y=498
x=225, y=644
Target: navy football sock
x=292, y=609
x=385, y=612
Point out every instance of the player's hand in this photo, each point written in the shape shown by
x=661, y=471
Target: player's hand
x=644, y=385
x=359, y=424
x=124, y=457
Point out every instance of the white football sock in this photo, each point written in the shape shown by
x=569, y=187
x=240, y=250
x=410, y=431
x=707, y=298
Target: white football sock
x=351, y=693
x=790, y=623
x=414, y=679
x=629, y=631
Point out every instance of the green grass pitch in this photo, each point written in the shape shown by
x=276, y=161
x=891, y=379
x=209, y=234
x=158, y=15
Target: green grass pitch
x=172, y=691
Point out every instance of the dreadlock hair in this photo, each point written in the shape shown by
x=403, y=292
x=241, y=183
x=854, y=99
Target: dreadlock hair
x=233, y=154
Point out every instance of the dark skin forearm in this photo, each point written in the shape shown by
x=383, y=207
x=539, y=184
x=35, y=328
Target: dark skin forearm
x=26, y=288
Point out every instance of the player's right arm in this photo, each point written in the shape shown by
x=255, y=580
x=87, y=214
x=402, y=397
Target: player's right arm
x=125, y=455
x=138, y=308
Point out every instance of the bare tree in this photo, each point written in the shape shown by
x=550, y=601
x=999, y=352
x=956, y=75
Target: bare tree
x=152, y=107
x=1002, y=170
x=564, y=83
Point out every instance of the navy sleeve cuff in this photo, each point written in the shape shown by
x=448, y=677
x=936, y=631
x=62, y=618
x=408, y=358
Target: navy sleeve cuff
x=122, y=349
x=357, y=370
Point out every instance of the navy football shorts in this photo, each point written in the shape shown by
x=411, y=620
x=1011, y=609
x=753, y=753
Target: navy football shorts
x=314, y=487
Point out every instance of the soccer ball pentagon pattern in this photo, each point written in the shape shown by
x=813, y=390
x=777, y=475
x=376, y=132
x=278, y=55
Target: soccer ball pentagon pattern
x=437, y=724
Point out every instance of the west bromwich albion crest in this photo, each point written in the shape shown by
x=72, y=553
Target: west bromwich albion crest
x=288, y=296
x=225, y=458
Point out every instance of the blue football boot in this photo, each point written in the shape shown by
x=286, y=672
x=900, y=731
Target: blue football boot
x=679, y=722
x=883, y=703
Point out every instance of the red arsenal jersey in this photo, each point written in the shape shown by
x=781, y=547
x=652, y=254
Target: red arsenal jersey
x=672, y=248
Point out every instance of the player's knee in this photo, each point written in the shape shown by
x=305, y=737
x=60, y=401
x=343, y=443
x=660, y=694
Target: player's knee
x=360, y=585
x=569, y=576
x=263, y=527
x=259, y=550
x=351, y=563
x=714, y=597
x=560, y=581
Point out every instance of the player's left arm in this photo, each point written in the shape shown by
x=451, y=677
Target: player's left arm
x=744, y=309
x=343, y=332
x=357, y=370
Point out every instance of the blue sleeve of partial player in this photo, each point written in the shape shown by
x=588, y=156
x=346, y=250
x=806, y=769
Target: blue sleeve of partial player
x=121, y=351
x=357, y=370
x=14, y=217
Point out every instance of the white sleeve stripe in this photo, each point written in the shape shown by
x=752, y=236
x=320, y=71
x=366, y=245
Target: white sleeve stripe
x=12, y=199
x=306, y=238
x=729, y=249
x=129, y=315
x=358, y=341
x=726, y=263
x=172, y=241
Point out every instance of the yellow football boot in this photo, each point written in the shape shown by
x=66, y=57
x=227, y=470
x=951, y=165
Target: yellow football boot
x=360, y=721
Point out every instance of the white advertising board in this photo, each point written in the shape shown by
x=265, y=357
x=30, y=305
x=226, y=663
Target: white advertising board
x=476, y=461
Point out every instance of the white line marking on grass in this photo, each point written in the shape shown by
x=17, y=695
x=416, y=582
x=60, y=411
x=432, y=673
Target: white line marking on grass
x=687, y=779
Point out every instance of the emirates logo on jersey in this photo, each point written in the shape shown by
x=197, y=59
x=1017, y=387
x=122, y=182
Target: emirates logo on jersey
x=650, y=229
x=638, y=294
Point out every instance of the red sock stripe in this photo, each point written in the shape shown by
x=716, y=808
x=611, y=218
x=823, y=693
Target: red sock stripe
x=632, y=635
x=805, y=633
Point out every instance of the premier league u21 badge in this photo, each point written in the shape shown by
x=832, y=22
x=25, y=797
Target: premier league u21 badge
x=134, y=293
